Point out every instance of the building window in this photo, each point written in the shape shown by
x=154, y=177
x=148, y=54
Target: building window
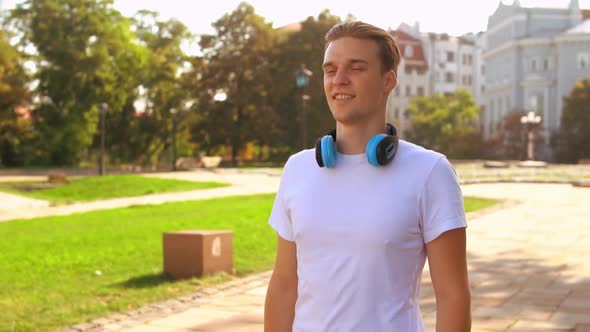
x=420, y=91
x=583, y=60
x=450, y=56
x=449, y=77
x=483, y=70
x=533, y=102
x=467, y=59
x=533, y=65
x=408, y=90
x=545, y=64
x=397, y=91
x=408, y=70
x=408, y=51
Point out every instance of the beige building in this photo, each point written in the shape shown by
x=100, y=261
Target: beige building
x=412, y=80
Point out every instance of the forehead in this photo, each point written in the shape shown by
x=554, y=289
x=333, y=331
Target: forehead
x=346, y=49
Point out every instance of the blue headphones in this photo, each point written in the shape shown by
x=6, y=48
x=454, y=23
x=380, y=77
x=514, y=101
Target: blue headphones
x=380, y=150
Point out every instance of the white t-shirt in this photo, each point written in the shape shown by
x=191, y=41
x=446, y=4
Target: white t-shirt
x=360, y=233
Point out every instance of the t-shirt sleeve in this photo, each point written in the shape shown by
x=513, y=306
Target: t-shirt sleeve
x=441, y=203
x=280, y=219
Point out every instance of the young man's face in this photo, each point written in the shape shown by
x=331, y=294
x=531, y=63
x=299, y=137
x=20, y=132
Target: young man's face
x=355, y=84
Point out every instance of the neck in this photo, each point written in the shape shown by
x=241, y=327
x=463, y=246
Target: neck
x=353, y=138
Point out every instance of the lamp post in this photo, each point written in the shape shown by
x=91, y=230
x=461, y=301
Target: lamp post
x=530, y=120
x=175, y=122
x=302, y=79
x=174, y=130
x=103, y=110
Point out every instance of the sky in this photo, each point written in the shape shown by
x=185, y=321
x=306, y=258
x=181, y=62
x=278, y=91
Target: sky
x=455, y=17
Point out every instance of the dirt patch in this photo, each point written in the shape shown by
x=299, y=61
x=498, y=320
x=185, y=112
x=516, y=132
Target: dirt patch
x=29, y=187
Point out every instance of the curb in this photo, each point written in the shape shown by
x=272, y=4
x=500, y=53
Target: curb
x=133, y=318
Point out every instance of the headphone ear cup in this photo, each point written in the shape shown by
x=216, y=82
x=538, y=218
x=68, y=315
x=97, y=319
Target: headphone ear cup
x=318, y=152
x=328, y=151
x=371, y=149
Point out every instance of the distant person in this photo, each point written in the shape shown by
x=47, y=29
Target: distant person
x=358, y=215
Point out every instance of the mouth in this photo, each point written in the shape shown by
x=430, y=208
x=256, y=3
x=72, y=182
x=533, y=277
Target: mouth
x=342, y=96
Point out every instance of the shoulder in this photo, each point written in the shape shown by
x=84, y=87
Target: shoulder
x=296, y=168
x=300, y=162
x=416, y=157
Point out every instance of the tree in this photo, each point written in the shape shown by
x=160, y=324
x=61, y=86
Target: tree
x=304, y=46
x=446, y=124
x=167, y=87
x=85, y=55
x=237, y=66
x=15, y=135
x=510, y=138
x=572, y=141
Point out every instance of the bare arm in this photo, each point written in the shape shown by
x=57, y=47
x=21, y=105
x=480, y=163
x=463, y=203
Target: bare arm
x=448, y=269
x=279, y=308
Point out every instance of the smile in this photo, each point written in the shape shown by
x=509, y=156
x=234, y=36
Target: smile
x=341, y=96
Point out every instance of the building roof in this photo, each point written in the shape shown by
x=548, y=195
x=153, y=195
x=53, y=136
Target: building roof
x=23, y=112
x=294, y=27
x=405, y=40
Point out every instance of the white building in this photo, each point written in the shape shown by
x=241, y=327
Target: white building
x=533, y=58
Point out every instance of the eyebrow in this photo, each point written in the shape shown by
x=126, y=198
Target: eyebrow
x=351, y=61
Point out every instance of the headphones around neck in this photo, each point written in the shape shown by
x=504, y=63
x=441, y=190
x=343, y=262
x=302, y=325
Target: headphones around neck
x=380, y=150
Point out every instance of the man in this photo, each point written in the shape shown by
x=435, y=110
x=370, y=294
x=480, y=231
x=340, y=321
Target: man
x=352, y=237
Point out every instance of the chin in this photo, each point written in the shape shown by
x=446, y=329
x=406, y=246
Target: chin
x=344, y=116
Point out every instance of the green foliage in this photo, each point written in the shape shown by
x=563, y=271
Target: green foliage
x=110, y=186
x=85, y=54
x=446, y=124
x=16, y=137
x=510, y=140
x=305, y=46
x=168, y=86
x=239, y=58
x=572, y=142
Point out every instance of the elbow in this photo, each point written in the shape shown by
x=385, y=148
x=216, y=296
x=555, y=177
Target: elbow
x=458, y=301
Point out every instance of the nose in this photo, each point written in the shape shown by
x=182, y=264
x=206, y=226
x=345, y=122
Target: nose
x=341, y=77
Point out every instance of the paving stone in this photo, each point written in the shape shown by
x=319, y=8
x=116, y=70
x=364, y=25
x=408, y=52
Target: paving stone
x=562, y=317
x=529, y=325
x=496, y=312
x=582, y=328
x=496, y=324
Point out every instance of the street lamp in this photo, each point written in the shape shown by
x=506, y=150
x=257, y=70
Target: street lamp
x=174, y=130
x=530, y=120
x=302, y=79
x=175, y=122
x=103, y=110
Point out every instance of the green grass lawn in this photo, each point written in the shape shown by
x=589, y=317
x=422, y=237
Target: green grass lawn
x=103, y=187
x=48, y=265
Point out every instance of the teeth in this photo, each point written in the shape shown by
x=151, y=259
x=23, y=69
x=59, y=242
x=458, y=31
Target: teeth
x=341, y=97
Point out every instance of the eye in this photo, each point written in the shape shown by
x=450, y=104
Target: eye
x=357, y=68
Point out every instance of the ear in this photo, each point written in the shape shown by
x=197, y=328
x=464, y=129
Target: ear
x=389, y=80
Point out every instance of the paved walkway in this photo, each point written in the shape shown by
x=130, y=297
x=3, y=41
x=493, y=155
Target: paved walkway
x=528, y=269
x=243, y=183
